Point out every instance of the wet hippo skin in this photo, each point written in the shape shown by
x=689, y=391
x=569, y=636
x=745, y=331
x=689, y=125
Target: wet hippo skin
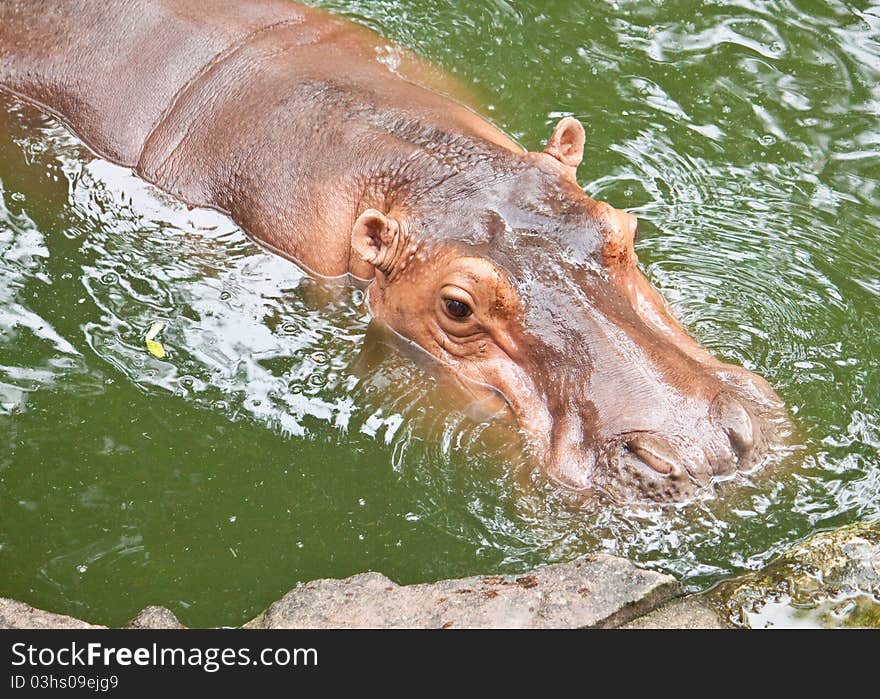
x=344, y=155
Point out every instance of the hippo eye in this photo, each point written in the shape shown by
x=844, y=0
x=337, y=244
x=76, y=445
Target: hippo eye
x=457, y=309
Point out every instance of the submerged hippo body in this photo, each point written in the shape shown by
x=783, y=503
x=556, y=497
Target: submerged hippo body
x=328, y=147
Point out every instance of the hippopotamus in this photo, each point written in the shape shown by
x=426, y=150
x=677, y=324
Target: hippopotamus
x=356, y=160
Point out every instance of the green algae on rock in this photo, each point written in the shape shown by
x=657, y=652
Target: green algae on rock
x=832, y=579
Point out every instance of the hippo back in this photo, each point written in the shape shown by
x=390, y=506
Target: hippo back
x=83, y=70
x=272, y=112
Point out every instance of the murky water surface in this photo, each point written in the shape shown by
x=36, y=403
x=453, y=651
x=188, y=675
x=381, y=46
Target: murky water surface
x=281, y=440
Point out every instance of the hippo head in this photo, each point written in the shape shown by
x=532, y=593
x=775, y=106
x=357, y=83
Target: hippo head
x=512, y=276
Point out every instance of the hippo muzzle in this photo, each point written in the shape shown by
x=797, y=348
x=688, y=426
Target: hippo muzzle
x=634, y=407
x=673, y=450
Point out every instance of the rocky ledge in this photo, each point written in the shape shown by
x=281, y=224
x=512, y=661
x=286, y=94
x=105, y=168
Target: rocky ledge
x=597, y=591
x=18, y=615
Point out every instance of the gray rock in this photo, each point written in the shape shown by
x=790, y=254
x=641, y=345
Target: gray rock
x=598, y=591
x=18, y=615
x=154, y=617
x=687, y=613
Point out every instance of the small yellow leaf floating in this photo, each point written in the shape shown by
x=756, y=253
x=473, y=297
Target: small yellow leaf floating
x=155, y=347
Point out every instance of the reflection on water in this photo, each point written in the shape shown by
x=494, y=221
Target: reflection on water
x=283, y=438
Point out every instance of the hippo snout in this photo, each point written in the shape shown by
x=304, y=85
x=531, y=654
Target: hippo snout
x=675, y=466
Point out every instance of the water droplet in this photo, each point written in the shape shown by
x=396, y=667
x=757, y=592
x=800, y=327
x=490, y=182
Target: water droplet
x=82, y=568
x=109, y=278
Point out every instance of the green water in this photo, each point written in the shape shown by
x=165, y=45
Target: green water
x=276, y=444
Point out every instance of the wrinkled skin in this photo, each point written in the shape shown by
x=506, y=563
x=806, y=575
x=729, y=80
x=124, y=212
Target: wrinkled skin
x=340, y=153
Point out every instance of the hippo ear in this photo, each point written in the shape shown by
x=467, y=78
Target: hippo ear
x=567, y=142
x=375, y=238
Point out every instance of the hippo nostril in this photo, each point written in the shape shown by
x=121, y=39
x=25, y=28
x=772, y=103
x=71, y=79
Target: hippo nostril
x=655, y=452
x=737, y=424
